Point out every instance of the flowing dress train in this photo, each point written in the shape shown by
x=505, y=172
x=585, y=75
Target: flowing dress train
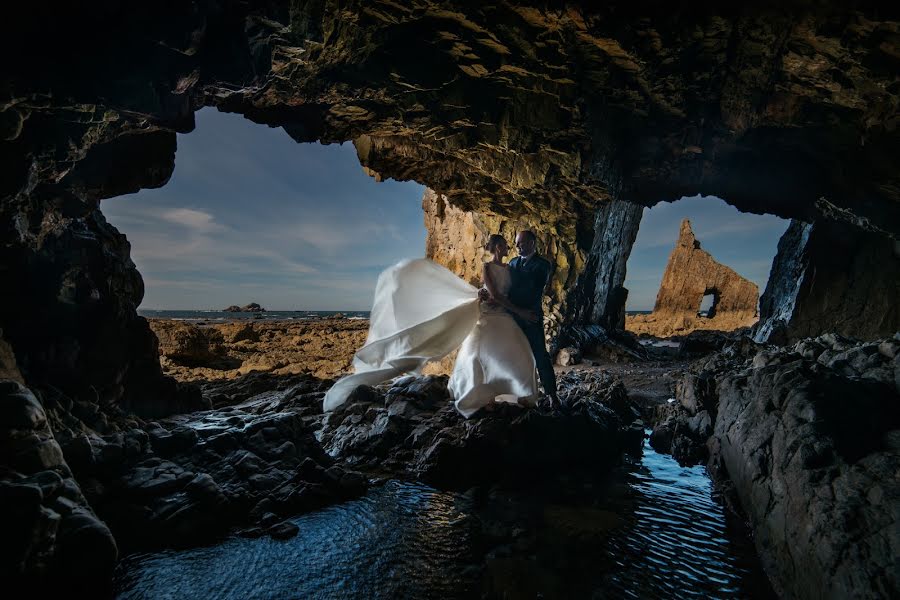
x=421, y=313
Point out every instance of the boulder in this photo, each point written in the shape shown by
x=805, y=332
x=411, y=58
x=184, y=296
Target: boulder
x=568, y=356
x=187, y=344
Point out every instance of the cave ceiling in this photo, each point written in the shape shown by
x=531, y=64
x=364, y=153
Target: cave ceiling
x=516, y=108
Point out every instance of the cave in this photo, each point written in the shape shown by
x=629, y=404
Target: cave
x=550, y=116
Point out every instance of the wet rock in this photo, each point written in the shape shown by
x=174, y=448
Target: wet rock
x=799, y=438
x=439, y=446
x=283, y=531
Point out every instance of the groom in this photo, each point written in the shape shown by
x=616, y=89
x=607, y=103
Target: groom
x=530, y=274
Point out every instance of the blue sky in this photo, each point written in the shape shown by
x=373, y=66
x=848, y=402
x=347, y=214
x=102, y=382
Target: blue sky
x=252, y=216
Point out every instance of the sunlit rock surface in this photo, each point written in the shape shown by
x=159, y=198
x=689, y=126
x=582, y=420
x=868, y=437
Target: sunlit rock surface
x=323, y=348
x=690, y=274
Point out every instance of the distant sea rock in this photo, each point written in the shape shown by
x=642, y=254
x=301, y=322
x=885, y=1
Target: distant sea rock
x=252, y=307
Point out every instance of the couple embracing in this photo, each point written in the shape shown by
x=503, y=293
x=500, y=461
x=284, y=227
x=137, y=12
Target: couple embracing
x=422, y=312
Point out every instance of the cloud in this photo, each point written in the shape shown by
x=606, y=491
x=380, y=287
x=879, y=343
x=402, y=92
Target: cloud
x=300, y=226
x=197, y=220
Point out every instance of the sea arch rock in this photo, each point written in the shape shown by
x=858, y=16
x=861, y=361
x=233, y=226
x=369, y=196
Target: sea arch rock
x=691, y=274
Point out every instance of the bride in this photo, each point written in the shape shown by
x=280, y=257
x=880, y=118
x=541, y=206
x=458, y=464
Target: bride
x=422, y=312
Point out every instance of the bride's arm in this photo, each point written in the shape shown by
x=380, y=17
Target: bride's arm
x=501, y=299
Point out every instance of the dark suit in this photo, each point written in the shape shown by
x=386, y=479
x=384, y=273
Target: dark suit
x=529, y=278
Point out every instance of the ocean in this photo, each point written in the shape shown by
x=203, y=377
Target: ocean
x=270, y=315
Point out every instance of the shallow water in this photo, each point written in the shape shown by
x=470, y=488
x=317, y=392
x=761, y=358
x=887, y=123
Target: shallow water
x=652, y=531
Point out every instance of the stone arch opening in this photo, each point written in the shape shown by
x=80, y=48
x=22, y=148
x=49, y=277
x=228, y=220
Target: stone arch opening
x=250, y=218
x=707, y=274
x=707, y=308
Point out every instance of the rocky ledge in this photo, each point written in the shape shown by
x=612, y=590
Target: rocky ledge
x=412, y=429
x=806, y=439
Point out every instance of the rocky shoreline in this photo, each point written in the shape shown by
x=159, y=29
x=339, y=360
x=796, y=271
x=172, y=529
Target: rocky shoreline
x=747, y=409
x=801, y=466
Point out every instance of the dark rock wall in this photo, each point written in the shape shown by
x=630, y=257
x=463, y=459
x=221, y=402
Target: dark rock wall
x=828, y=277
x=817, y=475
x=599, y=296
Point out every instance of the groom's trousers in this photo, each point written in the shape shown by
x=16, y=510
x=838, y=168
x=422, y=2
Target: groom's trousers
x=534, y=332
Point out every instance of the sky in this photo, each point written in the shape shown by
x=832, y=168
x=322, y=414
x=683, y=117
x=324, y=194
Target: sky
x=745, y=242
x=250, y=215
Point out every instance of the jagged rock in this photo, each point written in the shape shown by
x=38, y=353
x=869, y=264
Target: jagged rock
x=48, y=525
x=805, y=440
x=599, y=295
x=826, y=278
x=210, y=471
x=691, y=273
x=427, y=438
x=817, y=476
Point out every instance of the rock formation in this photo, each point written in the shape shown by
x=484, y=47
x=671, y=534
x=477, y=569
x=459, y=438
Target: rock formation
x=828, y=278
x=412, y=428
x=816, y=476
x=599, y=297
x=252, y=307
x=691, y=273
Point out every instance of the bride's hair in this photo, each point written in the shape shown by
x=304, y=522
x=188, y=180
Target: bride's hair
x=493, y=241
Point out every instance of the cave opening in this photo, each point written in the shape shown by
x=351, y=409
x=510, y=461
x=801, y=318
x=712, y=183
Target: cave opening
x=717, y=254
x=249, y=215
x=250, y=219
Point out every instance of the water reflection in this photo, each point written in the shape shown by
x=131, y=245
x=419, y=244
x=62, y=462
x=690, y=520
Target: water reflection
x=653, y=530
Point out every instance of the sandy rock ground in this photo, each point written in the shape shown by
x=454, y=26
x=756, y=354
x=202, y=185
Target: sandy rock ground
x=323, y=348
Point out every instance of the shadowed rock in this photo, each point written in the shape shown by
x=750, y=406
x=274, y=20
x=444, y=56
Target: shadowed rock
x=826, y=278
x=413, y=428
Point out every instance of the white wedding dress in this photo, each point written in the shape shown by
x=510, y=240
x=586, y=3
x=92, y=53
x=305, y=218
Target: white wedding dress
x=421, y=313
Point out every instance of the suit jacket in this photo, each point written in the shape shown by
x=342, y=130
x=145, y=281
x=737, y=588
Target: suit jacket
x=529, y=278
